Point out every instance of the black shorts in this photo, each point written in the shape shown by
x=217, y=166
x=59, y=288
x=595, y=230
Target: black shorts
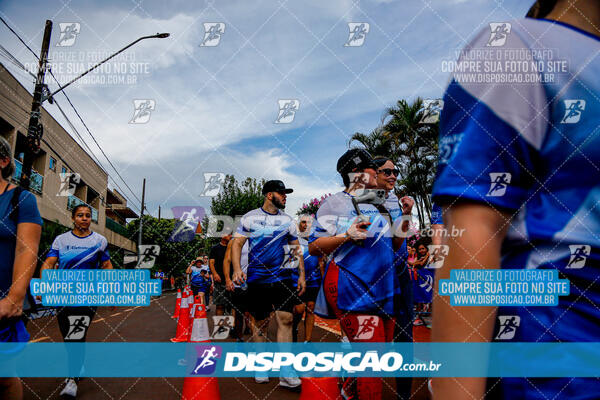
x=310, y=294
x=264, y=298
x=239, y=300
x=74, y=322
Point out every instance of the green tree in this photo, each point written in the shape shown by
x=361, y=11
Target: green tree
x=412, y=146
x=235, y=199
x=174, y=257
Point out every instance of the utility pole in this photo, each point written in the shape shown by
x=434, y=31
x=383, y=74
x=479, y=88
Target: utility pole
x=35, y=129
x=141, y=216
x=158, y=213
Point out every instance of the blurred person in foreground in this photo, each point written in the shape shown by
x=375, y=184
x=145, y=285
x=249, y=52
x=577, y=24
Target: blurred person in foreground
x=20, y=231
x=518, y=170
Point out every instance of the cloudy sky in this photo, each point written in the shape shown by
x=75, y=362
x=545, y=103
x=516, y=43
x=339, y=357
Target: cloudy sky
x=214, y=107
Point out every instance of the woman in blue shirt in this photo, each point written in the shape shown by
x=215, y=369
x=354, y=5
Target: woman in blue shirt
x=79, y=248
x=20, y=230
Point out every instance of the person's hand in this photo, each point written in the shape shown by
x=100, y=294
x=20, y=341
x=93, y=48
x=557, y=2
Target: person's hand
x=217, y=278
x=229, y=285
x=10, y=308
x=407, y=204
x=358, y=230
x=239, y=277
x=301, y=287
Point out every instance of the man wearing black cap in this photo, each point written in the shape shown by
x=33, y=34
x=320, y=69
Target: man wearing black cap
x=272, y=239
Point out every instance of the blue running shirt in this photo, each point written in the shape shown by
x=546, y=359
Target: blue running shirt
x=367, y=282
x=268, y=236
x=76, y=252
x=533, y=150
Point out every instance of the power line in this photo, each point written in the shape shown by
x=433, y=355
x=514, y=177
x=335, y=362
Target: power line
x=19, y=37
x=76, y=112
x=19, y=64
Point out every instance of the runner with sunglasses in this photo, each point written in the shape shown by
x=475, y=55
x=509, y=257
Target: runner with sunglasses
x=360, y=283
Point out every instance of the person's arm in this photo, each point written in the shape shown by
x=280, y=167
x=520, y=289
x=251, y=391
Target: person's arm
x=321, y=265
x=28, y=239
x=438, y=231
x=323, y=246
x=227, y=267
x=107, y=265
x=49, y=263
x=189, y=268
x=236, y=256
x=407, y=204
x=211, y=265
x=301, y=277
x=477, y=248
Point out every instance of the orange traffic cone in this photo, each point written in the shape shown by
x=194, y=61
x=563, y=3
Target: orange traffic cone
x=200, y=389
x=177, y=304
x=183, y=322
x=320, y=389
x=205, y=388
x=200, y=324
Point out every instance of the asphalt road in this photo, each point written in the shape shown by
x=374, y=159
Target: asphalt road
x=154, y=324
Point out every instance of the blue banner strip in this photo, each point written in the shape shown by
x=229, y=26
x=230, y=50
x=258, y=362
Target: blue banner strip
x=312, y=359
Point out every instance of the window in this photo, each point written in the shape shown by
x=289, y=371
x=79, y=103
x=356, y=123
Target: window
x=52, y=164
x=63, y=170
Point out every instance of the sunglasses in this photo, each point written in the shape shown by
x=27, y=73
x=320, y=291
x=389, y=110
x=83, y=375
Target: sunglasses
x=389, y=171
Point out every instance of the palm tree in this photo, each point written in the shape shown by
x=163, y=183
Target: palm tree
x=411, y=145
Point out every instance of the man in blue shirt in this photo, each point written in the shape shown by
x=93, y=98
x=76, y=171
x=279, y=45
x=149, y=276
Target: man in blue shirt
x=274, y=251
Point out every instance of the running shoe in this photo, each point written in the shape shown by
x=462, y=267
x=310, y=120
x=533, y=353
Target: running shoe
x=291, y=383
x=261, y=378
x=418, y=322
x=70, y=389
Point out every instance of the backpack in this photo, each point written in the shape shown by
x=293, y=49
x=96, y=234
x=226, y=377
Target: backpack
x=14, y=203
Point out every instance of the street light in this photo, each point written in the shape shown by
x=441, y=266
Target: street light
x=41, y=94
x=51, y=95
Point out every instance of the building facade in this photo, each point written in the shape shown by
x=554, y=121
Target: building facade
x=60, y=156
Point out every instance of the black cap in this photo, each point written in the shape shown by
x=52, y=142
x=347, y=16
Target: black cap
x=355, y=159
x=275, y=186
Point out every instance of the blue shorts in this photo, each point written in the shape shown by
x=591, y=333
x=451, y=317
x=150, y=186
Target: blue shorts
x=13, y=331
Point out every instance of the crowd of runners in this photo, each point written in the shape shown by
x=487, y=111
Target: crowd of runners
x=516, y=176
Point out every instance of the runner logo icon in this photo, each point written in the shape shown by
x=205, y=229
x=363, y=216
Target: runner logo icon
x=206, y=363
x=78, y=325
x=213, y=182
x=432, y=109
x=142, y=109
x=579, y=253
x=222, y=325
x=358, y=34
x=212, y=34
x=438, y=252
x=147, y=255
x=499, y=183
x=287, y=110
x=366, y=327
x=68, y=33
x=573, y=111
x=508, y=325
x=499, y=33
x=291, y=260
x=68, y=183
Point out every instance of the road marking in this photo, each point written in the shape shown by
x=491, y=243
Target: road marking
x=39, y=339
x=129, y=309
x=115, y=314
x=98, y=320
